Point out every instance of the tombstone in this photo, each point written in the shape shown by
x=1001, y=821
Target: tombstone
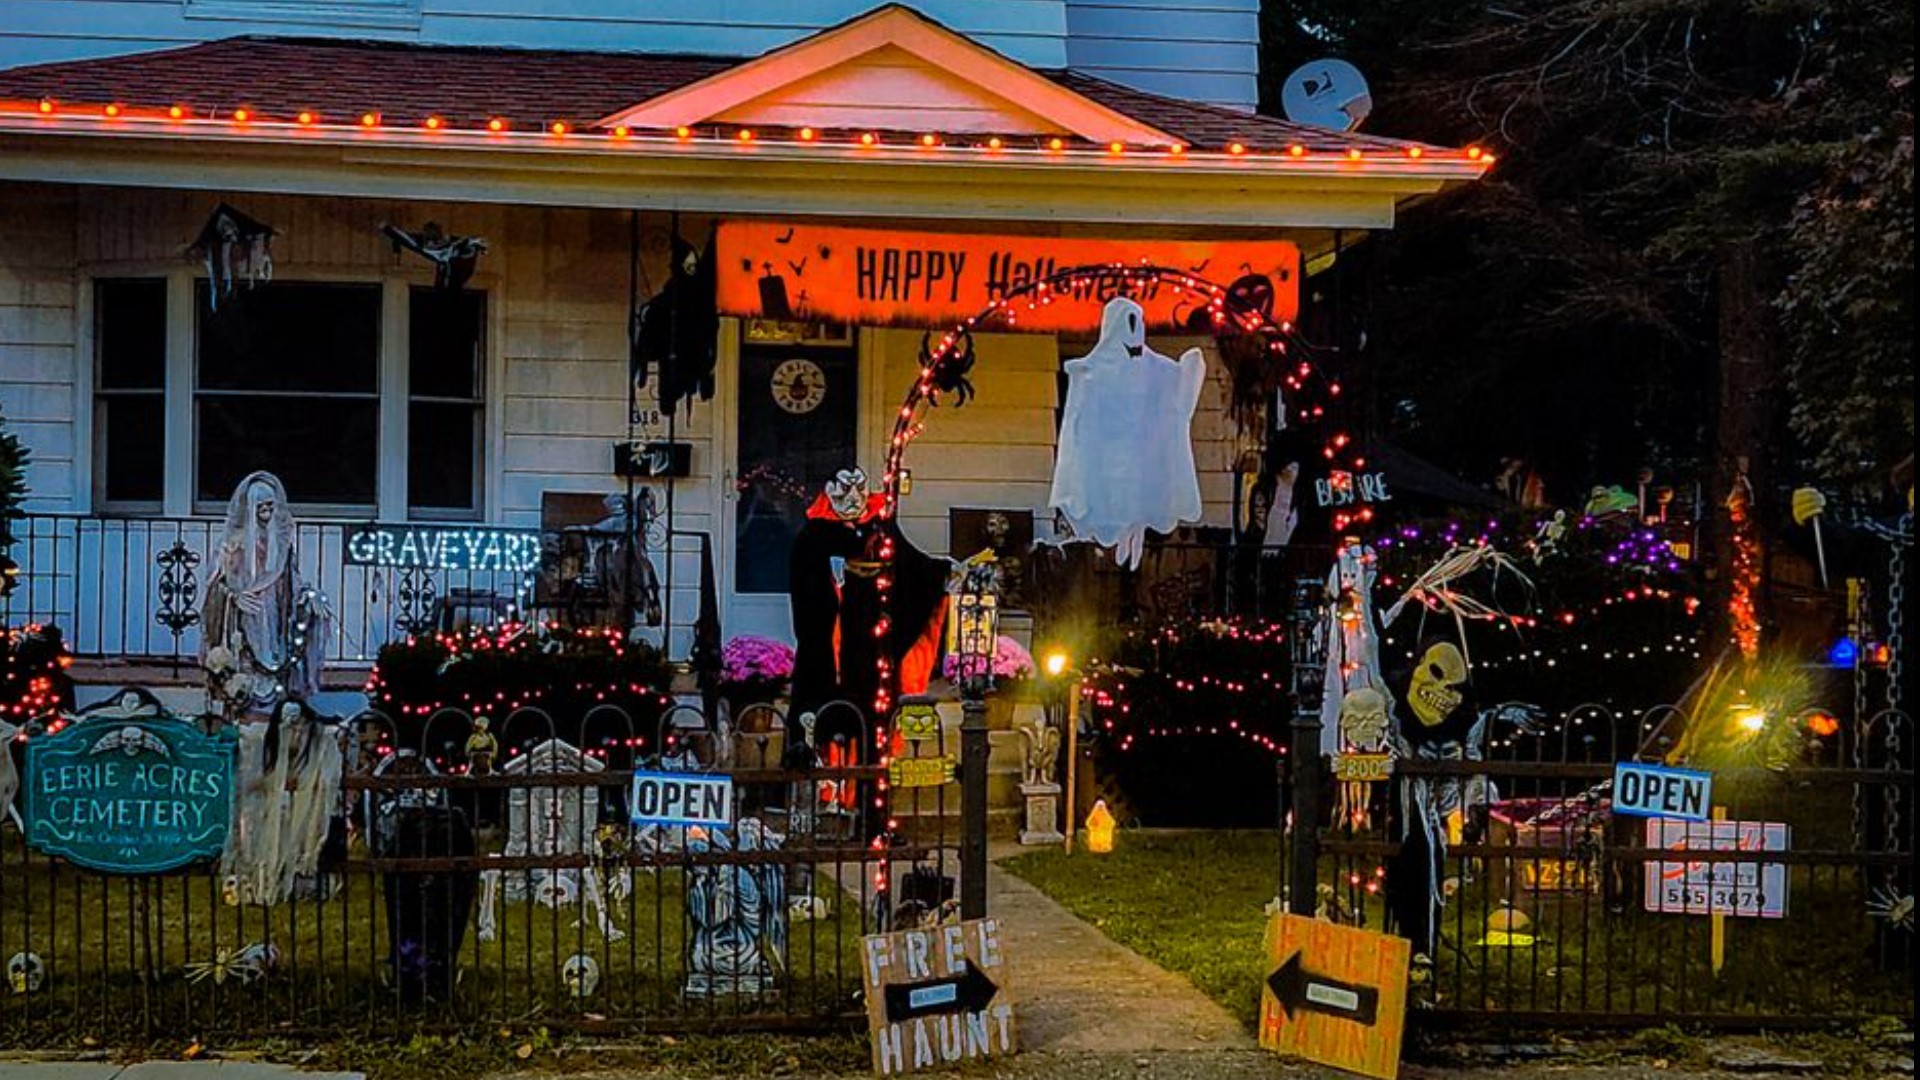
x=550, y=822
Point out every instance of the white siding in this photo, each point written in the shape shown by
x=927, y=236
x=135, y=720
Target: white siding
x=38, y=391
x=35, y=31
x=1206, y=50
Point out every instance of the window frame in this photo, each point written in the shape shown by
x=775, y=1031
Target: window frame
x=181, y=450
x=99, y=396
x=479, y=402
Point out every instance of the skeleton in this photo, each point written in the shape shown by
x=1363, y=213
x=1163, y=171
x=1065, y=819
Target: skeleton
x=1364, y=729
x=131, y=741
x=1350, y=637
x=265, y=631
x=243, y=965
x=556, y=822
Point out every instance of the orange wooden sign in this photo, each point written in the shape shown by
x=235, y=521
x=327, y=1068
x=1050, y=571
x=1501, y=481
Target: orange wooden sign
x=1335, y=995
x=937, y=997
x=883, y=277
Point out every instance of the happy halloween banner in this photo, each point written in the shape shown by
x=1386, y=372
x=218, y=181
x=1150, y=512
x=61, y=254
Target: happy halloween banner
x=882, y=277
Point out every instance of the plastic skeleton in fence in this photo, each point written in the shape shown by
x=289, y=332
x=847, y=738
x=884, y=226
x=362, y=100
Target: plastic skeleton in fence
x=1437, y=810
x=1349, y=637
x=1366, y=730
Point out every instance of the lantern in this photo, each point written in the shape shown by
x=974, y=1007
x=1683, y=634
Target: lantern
x=1100, y=826
x=974, y=628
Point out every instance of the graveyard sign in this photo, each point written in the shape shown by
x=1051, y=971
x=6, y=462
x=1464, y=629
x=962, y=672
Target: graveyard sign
x=1335, y=995
x=444, y=547
x=129, y=794
x=670, y=798
x=1658, y=791
x=937, y=996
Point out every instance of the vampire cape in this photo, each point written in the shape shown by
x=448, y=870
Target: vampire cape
x=834, y=619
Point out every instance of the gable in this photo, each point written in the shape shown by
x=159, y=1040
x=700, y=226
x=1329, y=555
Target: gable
x=889, y=89
x=893, y=70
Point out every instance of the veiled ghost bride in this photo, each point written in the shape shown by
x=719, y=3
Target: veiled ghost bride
x=1125, y=463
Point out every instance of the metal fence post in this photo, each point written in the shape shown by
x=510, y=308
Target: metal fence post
x=1308, y=677
x=973, y=807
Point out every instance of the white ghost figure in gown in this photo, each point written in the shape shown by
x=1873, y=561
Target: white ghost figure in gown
x=1126, y=455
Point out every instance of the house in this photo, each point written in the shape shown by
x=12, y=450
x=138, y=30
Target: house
x=1019, y=135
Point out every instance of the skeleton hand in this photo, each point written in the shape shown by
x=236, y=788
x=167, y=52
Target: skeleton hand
x=1525, y=718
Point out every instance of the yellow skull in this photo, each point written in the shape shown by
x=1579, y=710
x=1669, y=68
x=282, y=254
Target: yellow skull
x=1435, y=691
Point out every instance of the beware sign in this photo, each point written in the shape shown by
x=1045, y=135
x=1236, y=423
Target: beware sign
x=885, y=277
x=937, y=996
x=1335, y=995
x=665, y=798
x=1658, y=791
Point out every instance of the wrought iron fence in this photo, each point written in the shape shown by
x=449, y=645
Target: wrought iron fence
x=453, y=897
x=1795, y=905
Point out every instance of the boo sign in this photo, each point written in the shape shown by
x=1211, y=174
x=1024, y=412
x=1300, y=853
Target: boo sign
x=1658, y=791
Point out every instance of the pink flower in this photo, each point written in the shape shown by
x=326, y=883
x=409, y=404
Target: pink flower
x=1010, y=661
x=750, y=658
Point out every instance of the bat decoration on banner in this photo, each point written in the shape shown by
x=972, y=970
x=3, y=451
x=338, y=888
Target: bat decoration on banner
x=677, y=329
x=233, y=246
x=453, y=257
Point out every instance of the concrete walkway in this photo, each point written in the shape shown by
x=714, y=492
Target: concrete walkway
x=1076, y=990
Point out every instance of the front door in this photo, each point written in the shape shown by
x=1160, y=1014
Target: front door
x=796, y=421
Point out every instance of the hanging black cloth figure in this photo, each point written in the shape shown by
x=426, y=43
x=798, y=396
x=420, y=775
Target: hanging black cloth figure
x=678, y=329
x=834, y=590
x=453, y=257
x=233, y=246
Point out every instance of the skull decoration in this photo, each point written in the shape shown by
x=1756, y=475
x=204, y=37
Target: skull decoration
x=581, y=975
x=847, y=492
x=1437, y=684
x=25, y=972
x=1363, y=720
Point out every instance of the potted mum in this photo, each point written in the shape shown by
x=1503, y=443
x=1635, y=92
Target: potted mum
x=1013, y=673
x=754, y=670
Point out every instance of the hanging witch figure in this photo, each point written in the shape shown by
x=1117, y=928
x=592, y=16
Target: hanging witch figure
x=264, y=630
x=233, y=246
x=1435, y=811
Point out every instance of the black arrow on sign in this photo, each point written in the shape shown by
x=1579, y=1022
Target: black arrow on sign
x=969, y=991
x=1296, y=988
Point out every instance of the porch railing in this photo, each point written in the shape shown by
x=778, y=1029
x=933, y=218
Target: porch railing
x=131, y=588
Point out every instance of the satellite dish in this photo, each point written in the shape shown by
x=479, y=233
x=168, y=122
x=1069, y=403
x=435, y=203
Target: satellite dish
x=1327, y=93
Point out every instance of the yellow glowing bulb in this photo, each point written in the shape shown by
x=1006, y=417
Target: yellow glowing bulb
x=1749, y=718
x=1056, y=662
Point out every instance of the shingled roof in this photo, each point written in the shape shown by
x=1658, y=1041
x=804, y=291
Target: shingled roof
x=278, y=78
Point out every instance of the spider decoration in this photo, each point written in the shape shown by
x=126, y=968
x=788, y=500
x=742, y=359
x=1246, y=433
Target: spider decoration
x=241, y=965
x=951, y=370
x=1886, y=904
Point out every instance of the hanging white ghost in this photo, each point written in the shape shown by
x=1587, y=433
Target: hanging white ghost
x=1125, y=463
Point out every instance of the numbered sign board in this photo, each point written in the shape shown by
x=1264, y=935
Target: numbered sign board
x=1658, y=791
x=129, y=796
x=670, y=798
x=1755, y=890
x=1335, y=995
x=937, y=997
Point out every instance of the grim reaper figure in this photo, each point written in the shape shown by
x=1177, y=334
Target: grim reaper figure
x=264, y=630
x=1126, y=452
x=739, y=915
x=1438, y=810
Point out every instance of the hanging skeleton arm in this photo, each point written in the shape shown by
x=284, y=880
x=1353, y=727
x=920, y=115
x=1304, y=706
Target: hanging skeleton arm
x=453, y=257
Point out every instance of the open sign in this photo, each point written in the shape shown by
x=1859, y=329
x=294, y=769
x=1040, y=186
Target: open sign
x=662, y=798
x=1658, y=791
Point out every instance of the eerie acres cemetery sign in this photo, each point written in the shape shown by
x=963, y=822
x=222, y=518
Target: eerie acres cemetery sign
x=937, y=996
x=131, y=796
x=879, y=277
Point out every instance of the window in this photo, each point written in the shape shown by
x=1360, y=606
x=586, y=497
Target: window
x=295, y=378
x=446, y=404
x=287, y=379
x=129, y=401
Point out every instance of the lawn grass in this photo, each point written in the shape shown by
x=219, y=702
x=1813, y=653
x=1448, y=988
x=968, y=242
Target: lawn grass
x=1192, y=902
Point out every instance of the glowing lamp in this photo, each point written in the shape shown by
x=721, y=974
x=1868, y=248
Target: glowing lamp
x=1057, y=662
x=1100, y=828
x=1750, y=718
x=1823, y=723
x=975, y=630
